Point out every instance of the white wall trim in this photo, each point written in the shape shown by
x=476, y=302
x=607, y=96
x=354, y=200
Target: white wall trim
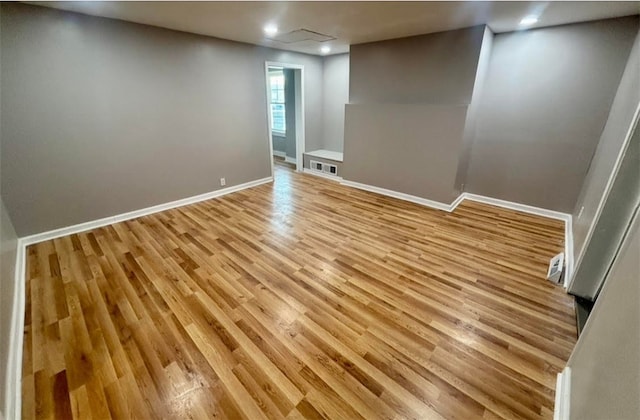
x=279, y=154
x=563, y=395
x=569, y=260
x=13, y=393
x=517, y=206
x=300, y=109
x=551, y=214
x=399, y=195
x=290, y=159
x=322, y=174
x=81, y=227
x=565, y=217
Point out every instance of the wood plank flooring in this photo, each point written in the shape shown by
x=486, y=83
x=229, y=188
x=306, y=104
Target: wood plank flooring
x=298, y=299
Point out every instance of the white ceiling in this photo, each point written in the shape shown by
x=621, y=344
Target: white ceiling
x=349, y=22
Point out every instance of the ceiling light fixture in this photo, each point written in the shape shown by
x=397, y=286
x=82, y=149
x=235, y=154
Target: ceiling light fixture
x=529, y=20
x=271, y=29
x=325, y=50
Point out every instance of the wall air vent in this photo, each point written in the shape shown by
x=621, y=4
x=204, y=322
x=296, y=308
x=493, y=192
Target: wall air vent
x=556, y=266
x=330, y=169
x=325, y=168
x=300, y=35
x=315, y=165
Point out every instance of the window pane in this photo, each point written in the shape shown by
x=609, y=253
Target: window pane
x=277, y=95
x=278, y=121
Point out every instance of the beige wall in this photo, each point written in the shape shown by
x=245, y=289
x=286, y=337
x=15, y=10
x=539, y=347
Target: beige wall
x=605, y=364
x=101, y=117
x=543, y=108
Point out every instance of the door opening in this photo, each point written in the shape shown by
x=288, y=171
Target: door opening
x=285, y=109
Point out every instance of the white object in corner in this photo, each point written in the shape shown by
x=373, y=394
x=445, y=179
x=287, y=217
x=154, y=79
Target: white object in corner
x=556, y=265
x=563, y=395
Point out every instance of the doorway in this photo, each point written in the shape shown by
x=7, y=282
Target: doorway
x=285, y=109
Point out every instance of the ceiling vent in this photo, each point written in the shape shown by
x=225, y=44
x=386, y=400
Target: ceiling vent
x=300, y=35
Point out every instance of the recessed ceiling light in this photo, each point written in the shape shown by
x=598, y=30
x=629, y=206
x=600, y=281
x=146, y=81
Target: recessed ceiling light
x=529, y=20
x=325, y=49
x=271, y=29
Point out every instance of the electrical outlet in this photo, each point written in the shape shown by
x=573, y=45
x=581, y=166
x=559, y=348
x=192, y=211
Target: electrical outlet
x=223, y=182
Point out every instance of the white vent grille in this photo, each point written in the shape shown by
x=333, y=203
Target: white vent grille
x=330, y=169
x=315, y=165
x=556, y=265
x=326, y=168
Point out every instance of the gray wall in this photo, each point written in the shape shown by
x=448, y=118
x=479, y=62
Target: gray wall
x=405, y=120
x=621, y=203
x=604, y=364
x=335, y=96
x=279, y=143
x=620, y=119
x=384, y=148
x=436, y=68
x=472, y=113
x=290, y=112
x=545, y=103
x=93, y=105
x=8, y=249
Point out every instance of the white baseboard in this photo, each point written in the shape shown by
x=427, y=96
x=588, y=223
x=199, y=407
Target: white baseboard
x=566, y=218
x=399, y=195
x=13, y=396
x=14, y=375
x=57, y=233
x=13, y=389
x=290, y=159
x=517, y=206
x=279, y=154
x=322, y=174
x=563, y=395
x=551, y=214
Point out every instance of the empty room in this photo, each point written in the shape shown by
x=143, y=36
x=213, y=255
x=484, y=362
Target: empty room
x=320, y=210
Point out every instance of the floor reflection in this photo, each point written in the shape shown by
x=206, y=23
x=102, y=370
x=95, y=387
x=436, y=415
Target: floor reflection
x=283, y=205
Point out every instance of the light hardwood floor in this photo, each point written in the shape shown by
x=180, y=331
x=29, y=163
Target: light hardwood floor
x=298, y=299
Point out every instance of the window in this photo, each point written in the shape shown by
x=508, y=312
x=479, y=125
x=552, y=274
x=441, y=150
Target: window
x=278, y=120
